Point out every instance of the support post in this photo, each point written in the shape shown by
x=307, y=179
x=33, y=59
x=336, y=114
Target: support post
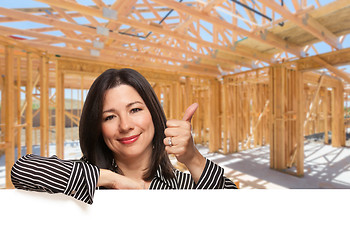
x=59, y=113
x=325, y=114
x=224, y=100
x=9, y=114
x=29, y=108
x=277, y=152
x=286, y=144
x=18, y=108
x=338, y=129
x=214, y=128
x=300, y=102
x=44, y=108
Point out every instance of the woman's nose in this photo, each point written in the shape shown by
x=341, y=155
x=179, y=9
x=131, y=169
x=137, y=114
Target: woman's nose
x=125, y=123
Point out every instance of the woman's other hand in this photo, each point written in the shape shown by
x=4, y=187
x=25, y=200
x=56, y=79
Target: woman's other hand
x=114, y=180
x=179, y=141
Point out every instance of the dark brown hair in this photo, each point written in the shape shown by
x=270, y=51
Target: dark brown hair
x=92, y=145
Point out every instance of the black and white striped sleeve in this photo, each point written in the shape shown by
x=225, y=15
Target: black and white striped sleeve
x=213, y=178
x=53, y=175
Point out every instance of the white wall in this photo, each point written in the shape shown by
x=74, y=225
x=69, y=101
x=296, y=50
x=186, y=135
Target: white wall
x=242, y=214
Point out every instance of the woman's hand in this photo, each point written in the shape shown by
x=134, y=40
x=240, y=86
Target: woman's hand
x=179, y=142
x=114, y=180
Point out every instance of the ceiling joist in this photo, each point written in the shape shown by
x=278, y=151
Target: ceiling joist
x=202, y=36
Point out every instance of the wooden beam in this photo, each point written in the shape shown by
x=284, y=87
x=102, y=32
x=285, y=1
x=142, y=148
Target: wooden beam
x=267, y=38
x=328, y=81
x=29, y=100
x=307, y=23
x=8, y=41
x=277, y=144
x=92, y=33
x=214, y=113
x=42, y=36
x=124, y=8
x=338, y=131
x=313, y=102
x=9, y=114
x=44, y=107
x=192, y=69
x=286, y=138
x=325, y=114
x=18, y=107
x=224, y=116
x=320, y=31
x=299, y=129
x=345, y=76
x=90, y=46
x=60, y=126
x=257, y=124
x=100, y=3
x=149, y=27
x=210, y=5
x=334, y=58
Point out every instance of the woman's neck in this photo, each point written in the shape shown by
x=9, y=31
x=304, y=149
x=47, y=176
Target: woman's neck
x=134, y=167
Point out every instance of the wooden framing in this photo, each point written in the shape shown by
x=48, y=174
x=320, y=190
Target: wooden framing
x=29, y=108
x=245, y=107
x=196, y=54
x=9, y=113
x=338, y=129
x=267, y=106
x=214, y=112
x=262, y=41
x=59, y=114
x=44, y=107
x=286, y=119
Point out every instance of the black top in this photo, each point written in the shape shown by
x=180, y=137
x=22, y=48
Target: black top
x=79, y=179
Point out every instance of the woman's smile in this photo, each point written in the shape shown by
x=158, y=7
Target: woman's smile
x=129, y=140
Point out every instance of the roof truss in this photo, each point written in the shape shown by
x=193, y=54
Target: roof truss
x=210, y=37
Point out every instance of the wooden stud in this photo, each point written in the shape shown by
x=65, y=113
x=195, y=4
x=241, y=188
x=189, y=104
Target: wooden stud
x=314, y=101
x=71, y=114
x=18, y=108
x=299, y=123
x=44, y=108
x=213, y=114
x=277, y=148
x=29, y=108
x=225, y=115
x=325, y=114
x=338, y=130
x=9, y=114
x=59, y=113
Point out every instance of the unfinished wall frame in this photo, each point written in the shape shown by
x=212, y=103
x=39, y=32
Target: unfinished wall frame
x=323, y=111
x=25, y=74
x=279, y=105
x=241, y=111
x=286, y=119
x=244, y=110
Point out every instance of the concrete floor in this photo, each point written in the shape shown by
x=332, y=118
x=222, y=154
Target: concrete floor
x=325, y=167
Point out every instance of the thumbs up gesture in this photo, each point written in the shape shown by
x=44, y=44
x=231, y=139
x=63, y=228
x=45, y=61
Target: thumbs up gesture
x=179, y=141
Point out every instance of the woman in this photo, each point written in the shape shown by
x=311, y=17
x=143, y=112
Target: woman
x=122, y=132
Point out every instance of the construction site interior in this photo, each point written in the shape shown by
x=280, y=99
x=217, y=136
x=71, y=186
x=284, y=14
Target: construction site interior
x=272, y=79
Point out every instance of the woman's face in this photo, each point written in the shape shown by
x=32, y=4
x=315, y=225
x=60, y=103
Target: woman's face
x=127, y=125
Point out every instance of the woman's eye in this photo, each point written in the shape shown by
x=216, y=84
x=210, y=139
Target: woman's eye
x=109, y=118
x=135, y=110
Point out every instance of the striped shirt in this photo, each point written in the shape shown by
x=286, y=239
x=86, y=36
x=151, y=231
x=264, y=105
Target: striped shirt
x=79, y=179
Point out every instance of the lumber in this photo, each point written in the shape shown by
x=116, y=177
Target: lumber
x=9, y=114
